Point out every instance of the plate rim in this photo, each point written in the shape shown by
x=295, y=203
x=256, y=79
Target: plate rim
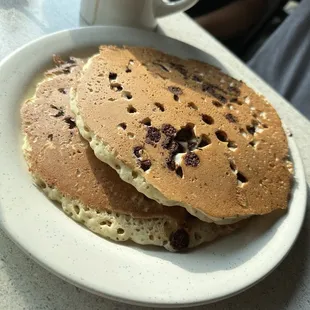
x=47, y=265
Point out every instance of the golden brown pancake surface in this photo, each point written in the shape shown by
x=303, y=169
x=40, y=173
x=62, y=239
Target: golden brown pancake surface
x=191, y=133
x=90, y=191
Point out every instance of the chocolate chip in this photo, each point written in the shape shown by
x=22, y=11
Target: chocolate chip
x=175, y=147
x=128, y=70
x=170, y=163
x=234, y=90
x=191, y=159
x=175, y=90
x=137, y=150
x=70, y=121
x=197, y=78
x=171, y=145
x=166, y=142
x=168, y=130
x=50, y=136
x=112, y=76
x=145, y=164
x=179, y=239
x=231, y=118
x=152, y=135
x=62, y=90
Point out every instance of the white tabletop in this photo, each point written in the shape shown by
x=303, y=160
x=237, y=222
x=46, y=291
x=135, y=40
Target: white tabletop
x=26, y=285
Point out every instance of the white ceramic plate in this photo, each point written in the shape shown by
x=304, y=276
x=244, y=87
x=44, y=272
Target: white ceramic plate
x=128, y=273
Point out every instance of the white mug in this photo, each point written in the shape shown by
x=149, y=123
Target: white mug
x=130, y=13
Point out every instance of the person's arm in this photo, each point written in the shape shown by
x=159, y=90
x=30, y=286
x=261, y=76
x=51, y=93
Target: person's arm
x=234, y=18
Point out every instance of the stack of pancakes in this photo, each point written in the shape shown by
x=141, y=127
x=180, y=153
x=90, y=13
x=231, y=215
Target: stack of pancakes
x=136, y=144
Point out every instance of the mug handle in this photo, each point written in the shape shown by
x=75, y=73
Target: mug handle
x=163, y=8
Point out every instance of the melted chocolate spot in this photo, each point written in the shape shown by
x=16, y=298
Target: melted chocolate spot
x=137, y=150
x=70, y=121
x=179, y=239
x=145, y=164
x=171, y=145
x=231, y=118
x=191, y=159
x=166, y=142
x=50, y=137
x=175, y=90
x=168, y=130
x=152, y=135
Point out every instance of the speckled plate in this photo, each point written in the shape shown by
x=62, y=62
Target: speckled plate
x=133, y=274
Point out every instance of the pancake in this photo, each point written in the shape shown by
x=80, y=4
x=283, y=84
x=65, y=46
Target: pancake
x=65, y=168
x=184, y=133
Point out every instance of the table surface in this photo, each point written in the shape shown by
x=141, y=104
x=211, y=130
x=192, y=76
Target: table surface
x=26, y=285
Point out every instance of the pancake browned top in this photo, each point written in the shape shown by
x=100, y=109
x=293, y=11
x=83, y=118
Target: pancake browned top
x=60, y=157
x=198, y=136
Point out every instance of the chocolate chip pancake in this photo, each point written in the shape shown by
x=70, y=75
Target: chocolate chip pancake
x=184, y=133
x=64, y=166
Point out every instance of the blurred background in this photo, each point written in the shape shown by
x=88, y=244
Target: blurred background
x=242, y=25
